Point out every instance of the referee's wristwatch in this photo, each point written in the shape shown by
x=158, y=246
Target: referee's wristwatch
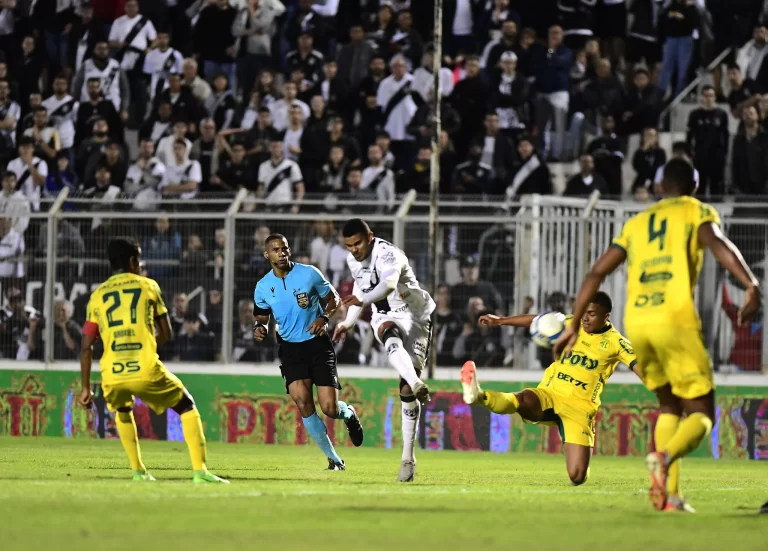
x=326, y=318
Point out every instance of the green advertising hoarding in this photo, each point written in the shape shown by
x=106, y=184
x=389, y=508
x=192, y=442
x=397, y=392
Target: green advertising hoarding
x=255, y=409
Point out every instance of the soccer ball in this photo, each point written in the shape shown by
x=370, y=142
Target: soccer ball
x=546, y=328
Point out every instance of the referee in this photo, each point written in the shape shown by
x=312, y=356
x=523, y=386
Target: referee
x=301, y=300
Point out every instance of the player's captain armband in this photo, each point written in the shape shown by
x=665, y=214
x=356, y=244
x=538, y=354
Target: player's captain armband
x=91, y=329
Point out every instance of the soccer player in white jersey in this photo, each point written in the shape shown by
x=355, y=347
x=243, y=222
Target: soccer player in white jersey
x=385, y=281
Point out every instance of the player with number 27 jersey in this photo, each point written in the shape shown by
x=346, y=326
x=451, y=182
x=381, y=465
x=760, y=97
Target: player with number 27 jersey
x=124, y=308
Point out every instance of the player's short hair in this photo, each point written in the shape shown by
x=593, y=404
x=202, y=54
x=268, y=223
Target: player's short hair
x=354, y=227
x=681, y=148
x=602, y=299
x=680, y=176
x=274, y=237
x=120, y=250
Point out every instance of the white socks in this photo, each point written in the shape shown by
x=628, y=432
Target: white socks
x=401, y=361
x=411, y=413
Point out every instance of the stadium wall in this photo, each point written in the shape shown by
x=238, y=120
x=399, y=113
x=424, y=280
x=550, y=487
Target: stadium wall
x=249, y=405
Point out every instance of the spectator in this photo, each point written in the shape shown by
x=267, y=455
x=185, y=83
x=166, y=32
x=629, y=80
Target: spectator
x=642, y=105
x=166, y=146
x=220, y=240
x=86, y=32
x=708, y=138
x=395, y=99
x=510, y=97
x=677, y=23
x=214, y=41
x=255, y=26
x=14, y=204
x=306, y=19
x=267, y=88
x=113, y=159
x=479, y=343
x=606, y=150
x=294, y=133
x=472, y=286
x=742, y=92
x=19, y=324
x=378, y=178
x=470, y=99
x=751, y=56
x=90, y=147
x=334, y=172
x=114, y=82
x=423, y=79
x=182, y=176
x=11, y=250
x=407, y=42
x=28, y=70
x=131, y=37
x=250, y=112
x=96, y=107
x=473, y=177
x=552, y=65
x=355, y=189
x=746, y=352
x=355, y=349
x=221, y=105
x=334, y=91
x=577, y=18
x=63, y=177
x=448, y=326
x=10, y=113
x=184, y=105
x=305, y=59
x=280, y=181
x=160, y=63
x=353, y=58
x=749, y=167
x=234, y=173
x=418, y=176
x=422, y=123
x=336, y=136
x=246, y=349
x=369, y=86
x=194, y=259
x=193, y=343
x=498, y=152
x=586, y=181
x=320, y=246
x=206, y=150
x=61, y=108
x=46, y=138
x=260, y=136
x=30, y=171
x=280, y=108
x=28, y=114
x=647, y=161
x=603, y=95
x=383, y=29
x=531, y=175
x=157, y=126
x=163, y=245
x=496, y=48
x=191, y=80
x=643, y=41
x=680, y=150
x=144, y=176
x=67, y=334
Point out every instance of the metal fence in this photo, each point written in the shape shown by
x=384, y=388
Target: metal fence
x=492, y=257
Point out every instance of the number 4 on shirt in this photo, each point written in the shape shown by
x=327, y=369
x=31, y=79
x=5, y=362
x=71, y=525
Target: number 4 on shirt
x=654, y=233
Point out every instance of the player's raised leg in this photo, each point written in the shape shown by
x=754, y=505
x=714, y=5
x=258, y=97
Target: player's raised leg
x=393, y=338
x=334, y=408
x=301, y=394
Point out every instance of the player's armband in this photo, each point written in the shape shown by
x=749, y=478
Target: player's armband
x=91, y=329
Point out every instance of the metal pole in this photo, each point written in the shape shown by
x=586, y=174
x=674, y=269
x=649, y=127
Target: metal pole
x=228, y=288
x=50, y=274
x=434, y=184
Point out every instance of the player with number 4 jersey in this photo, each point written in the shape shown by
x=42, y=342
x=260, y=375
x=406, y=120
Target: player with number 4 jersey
x=663, y=247
x=129, y=315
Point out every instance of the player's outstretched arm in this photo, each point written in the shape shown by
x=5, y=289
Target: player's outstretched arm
x=164, y=330
x=515, y=321
x=729, y=256
x=605, y=266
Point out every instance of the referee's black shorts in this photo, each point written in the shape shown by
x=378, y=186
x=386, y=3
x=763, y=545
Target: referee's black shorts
x=314, y=359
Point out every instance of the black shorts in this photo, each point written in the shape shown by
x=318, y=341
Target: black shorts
x=314, y=359
x=639, y=50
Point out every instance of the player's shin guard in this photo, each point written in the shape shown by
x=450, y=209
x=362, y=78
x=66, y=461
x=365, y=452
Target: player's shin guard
x=411, y=412
x=316, y=429
x=401, y=361
x=666, y=427
x=501, y=402
x=195, y=438
x=695, y=428
x=129, y=437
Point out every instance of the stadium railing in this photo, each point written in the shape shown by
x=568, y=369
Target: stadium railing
x=532, y=248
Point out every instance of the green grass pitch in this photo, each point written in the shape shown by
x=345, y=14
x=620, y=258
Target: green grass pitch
x=65, y=494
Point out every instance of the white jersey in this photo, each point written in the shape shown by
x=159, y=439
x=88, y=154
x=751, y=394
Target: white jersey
x=140, y=38
x=11, y=254
x=382, y=181
x=10, y=110
x=280, y=111
x=177, y=174
x=279, y=181
x=110, y=81
x=424, y=82
x=24, y=181
x=160, y=65
x=388, y=263
x=397, y=105
x=62, y=113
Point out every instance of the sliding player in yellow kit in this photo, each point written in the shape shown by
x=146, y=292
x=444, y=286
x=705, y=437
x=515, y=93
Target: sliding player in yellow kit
x=664, y=247
x=125, y=312
x=568, y=395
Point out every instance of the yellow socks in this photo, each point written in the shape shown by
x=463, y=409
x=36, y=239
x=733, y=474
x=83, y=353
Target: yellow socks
x=695, y=428
x=500, y=402
x=195, y=438
x=666, y=427
x=129, y=436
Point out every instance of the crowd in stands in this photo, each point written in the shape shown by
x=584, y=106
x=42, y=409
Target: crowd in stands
x=160, y=100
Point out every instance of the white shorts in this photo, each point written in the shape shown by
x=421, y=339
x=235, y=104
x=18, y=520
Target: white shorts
x=418, y=336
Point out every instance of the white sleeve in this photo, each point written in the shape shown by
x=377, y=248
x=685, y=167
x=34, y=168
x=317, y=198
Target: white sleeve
x=296, y=176
x=260, y=176
x=195, y=173
x=113, y=32
x=380, y=96
x=329, y=9
x=353, y=312
x=148, y=69
x=151, y=33
x=158, y=171
x=42, y=168
x=390, y=265
x=177, y=67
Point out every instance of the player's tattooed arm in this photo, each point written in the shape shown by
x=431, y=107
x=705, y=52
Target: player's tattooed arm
x=515, y=321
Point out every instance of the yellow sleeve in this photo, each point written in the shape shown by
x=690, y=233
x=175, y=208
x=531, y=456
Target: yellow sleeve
x=157, y=298
x=707, y=213
x=622, y=240
x=626, y=353
x=90, y=313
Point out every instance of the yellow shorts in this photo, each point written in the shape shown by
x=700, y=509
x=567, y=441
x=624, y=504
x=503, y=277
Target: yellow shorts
x=575, y=421
x=674, y=356
x=160, y=392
